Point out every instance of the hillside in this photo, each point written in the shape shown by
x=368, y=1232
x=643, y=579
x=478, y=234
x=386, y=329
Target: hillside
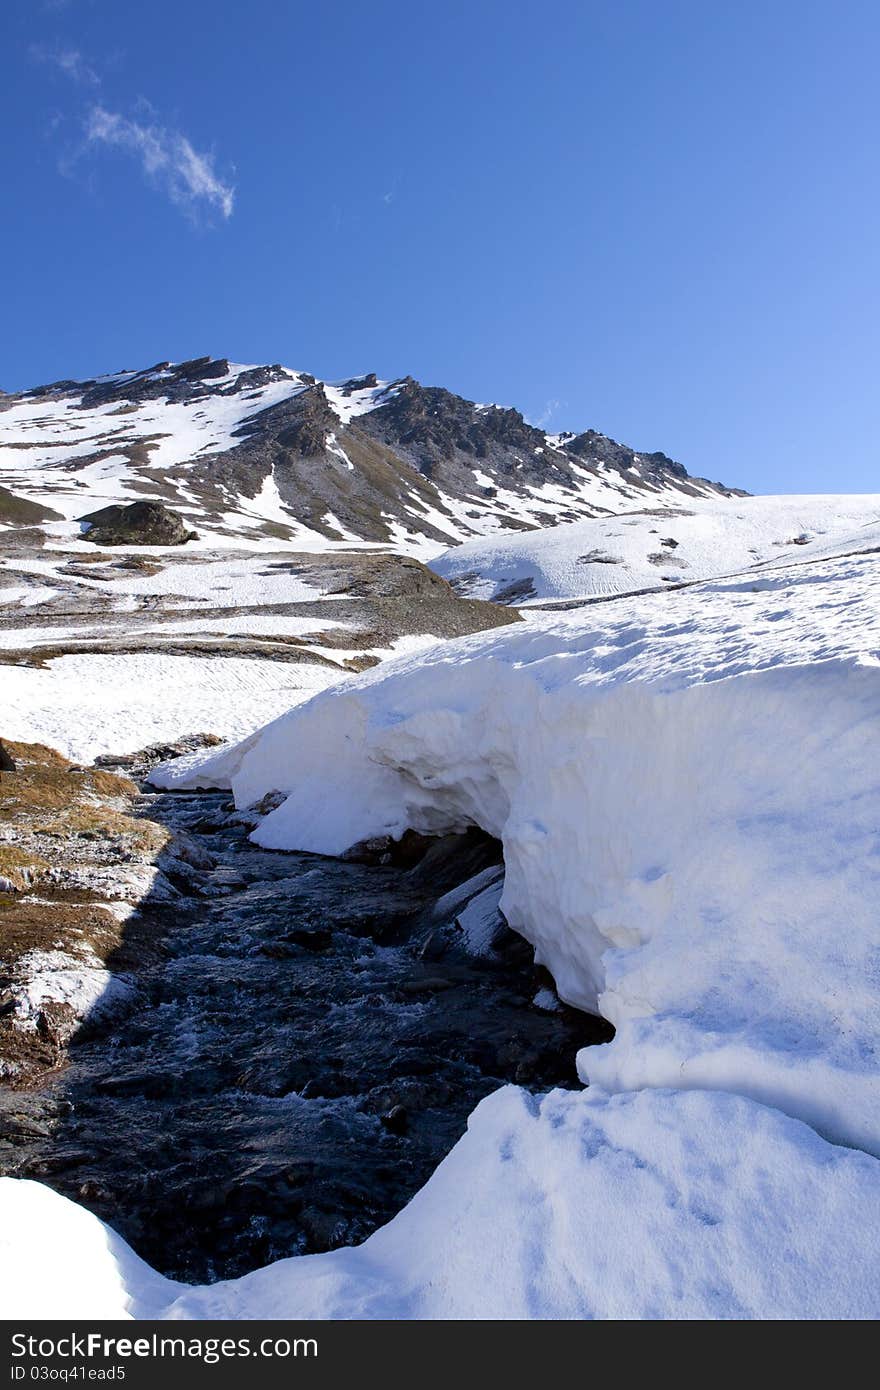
x=264, y=454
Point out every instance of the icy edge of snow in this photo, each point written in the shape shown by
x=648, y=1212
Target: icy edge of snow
x=658, y=1204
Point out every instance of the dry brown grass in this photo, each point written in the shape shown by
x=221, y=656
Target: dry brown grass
x=109, y=784
x=60, y=825
x=45, y=797
x=21, y=866
x=53, y=926
x=92, y=822
x=36, y=753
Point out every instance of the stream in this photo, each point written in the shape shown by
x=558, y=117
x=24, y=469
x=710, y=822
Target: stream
x=307, y=1040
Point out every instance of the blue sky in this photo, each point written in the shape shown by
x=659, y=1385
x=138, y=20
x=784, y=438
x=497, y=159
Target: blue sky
x=656, y=219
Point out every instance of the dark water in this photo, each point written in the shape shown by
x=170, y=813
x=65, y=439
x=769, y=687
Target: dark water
x=308, y=1043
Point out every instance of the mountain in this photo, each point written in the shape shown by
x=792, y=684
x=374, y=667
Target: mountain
x=256, y=453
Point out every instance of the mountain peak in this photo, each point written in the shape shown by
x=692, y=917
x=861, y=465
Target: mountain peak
x=244, y=451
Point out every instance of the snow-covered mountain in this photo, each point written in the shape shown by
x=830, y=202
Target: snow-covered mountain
x=263, y=453
x=652, y=549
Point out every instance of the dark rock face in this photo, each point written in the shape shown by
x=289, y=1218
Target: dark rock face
x=433, y=425
x=654, y=469
x=143, y=523
x=311, y=424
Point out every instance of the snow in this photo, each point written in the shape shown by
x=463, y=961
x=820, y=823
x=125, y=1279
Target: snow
x=222, y=582
x=642, y=550
x=658, y=1204
x=91, y=1273
x=685, y=790
x=227, y=583
x=684, y=784
x=481, y=920
x=227, y=625
x=87, y=705
x=545, y=999
x=58, y=433
x=356, y=402
x=267, y=504
x=28, y=598
x=81, y=984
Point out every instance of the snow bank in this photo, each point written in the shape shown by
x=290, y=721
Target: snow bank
x=685, y=786
x=59, y=1261
x=653, y=1205
x=649, y=549
x=687, y=796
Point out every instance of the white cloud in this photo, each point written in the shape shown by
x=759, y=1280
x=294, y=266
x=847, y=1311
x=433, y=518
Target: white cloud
x=166, y=157
x=70, y=61
x=550, y=409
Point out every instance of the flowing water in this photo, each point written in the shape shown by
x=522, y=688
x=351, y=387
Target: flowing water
x=308, y=1040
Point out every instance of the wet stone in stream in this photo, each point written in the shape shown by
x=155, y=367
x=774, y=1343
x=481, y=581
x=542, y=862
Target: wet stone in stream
x=304, y=1051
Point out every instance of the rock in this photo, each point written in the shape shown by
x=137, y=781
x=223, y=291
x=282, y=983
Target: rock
x=142, y=523
x=396, y=1120
x=376, y=850
x=203, y=368
x=515, y=592
x=323, y=1228
x=311, y=938
x=404, y=853
x=435, y=945
x=191, y=851
x=667, y=559
x=307, y=433
x=270, y=802
x=430, y=984
x=139, y=765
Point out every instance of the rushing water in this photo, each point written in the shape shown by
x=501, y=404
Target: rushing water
x=308, y=1042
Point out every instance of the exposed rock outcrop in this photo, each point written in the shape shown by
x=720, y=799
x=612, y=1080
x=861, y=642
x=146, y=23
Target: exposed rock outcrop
x=142, y=523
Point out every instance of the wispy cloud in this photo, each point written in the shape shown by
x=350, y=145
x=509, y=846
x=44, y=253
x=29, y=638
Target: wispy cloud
x=70, y=61
x=550, y=409
x=390, y=194
x=167, y=159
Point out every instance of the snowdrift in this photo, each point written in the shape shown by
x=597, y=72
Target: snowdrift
x=651, y=1205
x=686, y=790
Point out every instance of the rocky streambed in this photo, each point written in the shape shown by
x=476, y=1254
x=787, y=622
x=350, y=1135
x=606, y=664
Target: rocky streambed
x=297, y=1044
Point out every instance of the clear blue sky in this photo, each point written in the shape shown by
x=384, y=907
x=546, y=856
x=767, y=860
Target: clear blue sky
x=657, y=218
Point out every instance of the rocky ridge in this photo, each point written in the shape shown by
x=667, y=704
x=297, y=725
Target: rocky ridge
x=265, y=452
